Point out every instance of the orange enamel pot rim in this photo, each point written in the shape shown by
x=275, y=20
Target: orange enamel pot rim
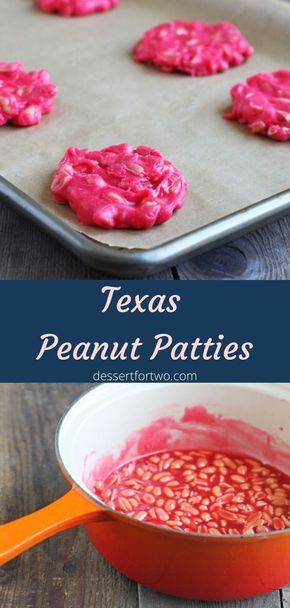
x=238, y=538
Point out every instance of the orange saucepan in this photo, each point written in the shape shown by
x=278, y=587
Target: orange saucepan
x=117, y=421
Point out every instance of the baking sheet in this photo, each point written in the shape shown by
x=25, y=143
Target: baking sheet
x=106, y=98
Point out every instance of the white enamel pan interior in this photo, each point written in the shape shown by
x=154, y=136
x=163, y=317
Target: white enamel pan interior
x=99, y=423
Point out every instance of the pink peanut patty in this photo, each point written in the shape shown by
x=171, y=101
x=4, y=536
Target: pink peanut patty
x=193, y=47
x=263, y=103
x=119, y=186
x=24, y=96
x=78, y=8
x=200, y=491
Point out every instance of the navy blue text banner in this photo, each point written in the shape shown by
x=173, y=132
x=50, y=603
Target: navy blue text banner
x=144, y=331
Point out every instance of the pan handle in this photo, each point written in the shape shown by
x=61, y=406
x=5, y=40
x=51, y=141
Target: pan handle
x=66, y=512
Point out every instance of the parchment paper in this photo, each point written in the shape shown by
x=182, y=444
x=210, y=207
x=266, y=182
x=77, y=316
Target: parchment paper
x=107, y=98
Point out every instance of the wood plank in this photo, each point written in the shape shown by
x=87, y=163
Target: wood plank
x=27, y=252
x=262, y=254
x=64, y=571
x=285, y=597
x=151, y=599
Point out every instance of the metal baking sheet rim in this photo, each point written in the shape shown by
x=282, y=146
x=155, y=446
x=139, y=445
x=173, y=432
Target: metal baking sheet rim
x=137, y=262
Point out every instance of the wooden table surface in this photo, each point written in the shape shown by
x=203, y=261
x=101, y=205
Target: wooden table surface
x=26, y=252
x=64, y=571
